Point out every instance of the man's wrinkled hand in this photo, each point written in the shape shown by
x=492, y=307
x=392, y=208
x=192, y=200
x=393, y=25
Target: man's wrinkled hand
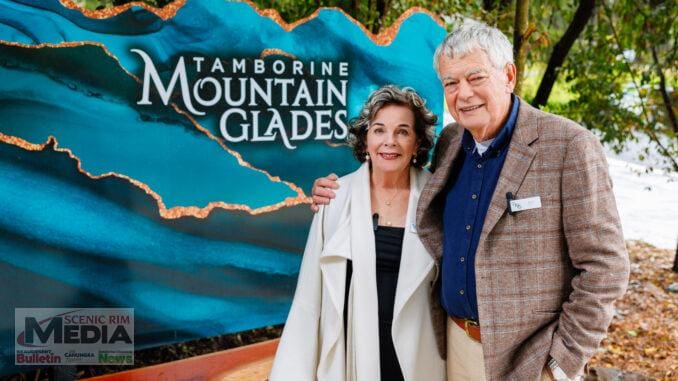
x=322, y=191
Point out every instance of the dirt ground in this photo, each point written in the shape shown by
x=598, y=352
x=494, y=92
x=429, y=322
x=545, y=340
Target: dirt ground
x=643, y=337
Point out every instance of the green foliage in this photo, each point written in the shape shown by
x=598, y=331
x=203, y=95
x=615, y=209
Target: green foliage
x=616, y=79
x=561, y=94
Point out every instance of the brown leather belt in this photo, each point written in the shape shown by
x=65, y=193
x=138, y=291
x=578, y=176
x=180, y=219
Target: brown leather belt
x=471, y=328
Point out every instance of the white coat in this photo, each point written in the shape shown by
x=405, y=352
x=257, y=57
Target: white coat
x=312, y=344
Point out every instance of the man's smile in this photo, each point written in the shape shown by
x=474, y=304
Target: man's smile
x=470, y=108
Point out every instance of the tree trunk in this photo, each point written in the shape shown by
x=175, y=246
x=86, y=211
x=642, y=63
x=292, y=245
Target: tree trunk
x=675, y=260
x=373, y=17
x=520, y=36
x=665, y=94
x=561, y=50
x=382, y=10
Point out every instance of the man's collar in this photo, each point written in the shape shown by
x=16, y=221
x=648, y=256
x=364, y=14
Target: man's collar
x=504, y=136
x=506, y=131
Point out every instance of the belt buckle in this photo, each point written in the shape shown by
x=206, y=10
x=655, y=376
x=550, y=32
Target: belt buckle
x=468, y=322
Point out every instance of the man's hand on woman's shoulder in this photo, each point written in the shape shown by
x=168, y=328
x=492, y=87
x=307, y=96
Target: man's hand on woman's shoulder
x=322, y=191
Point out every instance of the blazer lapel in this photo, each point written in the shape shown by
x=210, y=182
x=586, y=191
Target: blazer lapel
x=518, y=160
x=429, y=219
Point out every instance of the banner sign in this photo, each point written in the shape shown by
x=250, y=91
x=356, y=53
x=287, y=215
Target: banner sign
x=161, y=159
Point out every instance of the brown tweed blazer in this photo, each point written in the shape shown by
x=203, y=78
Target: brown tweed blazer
x=546, y=278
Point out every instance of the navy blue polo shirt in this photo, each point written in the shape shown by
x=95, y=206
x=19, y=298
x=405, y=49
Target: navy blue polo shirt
x=469, y=192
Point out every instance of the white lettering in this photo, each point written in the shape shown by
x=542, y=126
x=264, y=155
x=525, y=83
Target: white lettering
x=326, y=68
x=259, y=66
x=340, y=95
x=277, y=123
x=319, y=92
x=303, y=93
x=198, y=63
x=266, y=96
x=280, y=65
x=296, y=126
x=285, y=83
x=342, y=133
x=321, y=124
x=217, y=66
x=223, y=124
x=199, y=85
x=297, y=68
x=151, y=73
x=239, y=65
x=343, y=69
x=227, y=93
x=255, y=130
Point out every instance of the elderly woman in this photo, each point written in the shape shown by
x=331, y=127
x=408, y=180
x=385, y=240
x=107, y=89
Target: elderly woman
x=361, y=310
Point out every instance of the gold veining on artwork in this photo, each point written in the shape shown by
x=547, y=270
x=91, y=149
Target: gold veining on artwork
x=165, y=13
x=174, y=212
x=335, y=145
x=276, y=52
x=237, y=155
x=168, y=213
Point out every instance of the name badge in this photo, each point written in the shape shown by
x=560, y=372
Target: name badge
x=525, y=204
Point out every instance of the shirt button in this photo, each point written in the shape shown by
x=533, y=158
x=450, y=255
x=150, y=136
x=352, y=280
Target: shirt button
x=474, y=196
x=461, y=259
x=461, y=292
x=479, y=165
x=468, y=227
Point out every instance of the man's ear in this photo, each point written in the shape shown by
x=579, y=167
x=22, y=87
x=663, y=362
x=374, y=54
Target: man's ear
x=510, y=72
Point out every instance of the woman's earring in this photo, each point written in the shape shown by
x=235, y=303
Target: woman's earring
x=367, y=157
x=414, y=160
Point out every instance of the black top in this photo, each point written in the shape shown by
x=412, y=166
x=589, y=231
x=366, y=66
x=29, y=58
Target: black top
x=388, y=245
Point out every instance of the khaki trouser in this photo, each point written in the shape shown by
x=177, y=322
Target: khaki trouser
x=465, y=360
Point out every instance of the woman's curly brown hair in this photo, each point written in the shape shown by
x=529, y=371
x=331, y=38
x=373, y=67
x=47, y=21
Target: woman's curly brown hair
x=424, y=120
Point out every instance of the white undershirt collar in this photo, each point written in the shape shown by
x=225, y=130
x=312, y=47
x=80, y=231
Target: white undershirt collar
x=483, y=146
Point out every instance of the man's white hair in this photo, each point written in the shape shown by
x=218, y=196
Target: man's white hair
x=471, y=35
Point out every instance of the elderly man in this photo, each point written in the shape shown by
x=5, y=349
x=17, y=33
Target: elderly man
x=520, y=217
